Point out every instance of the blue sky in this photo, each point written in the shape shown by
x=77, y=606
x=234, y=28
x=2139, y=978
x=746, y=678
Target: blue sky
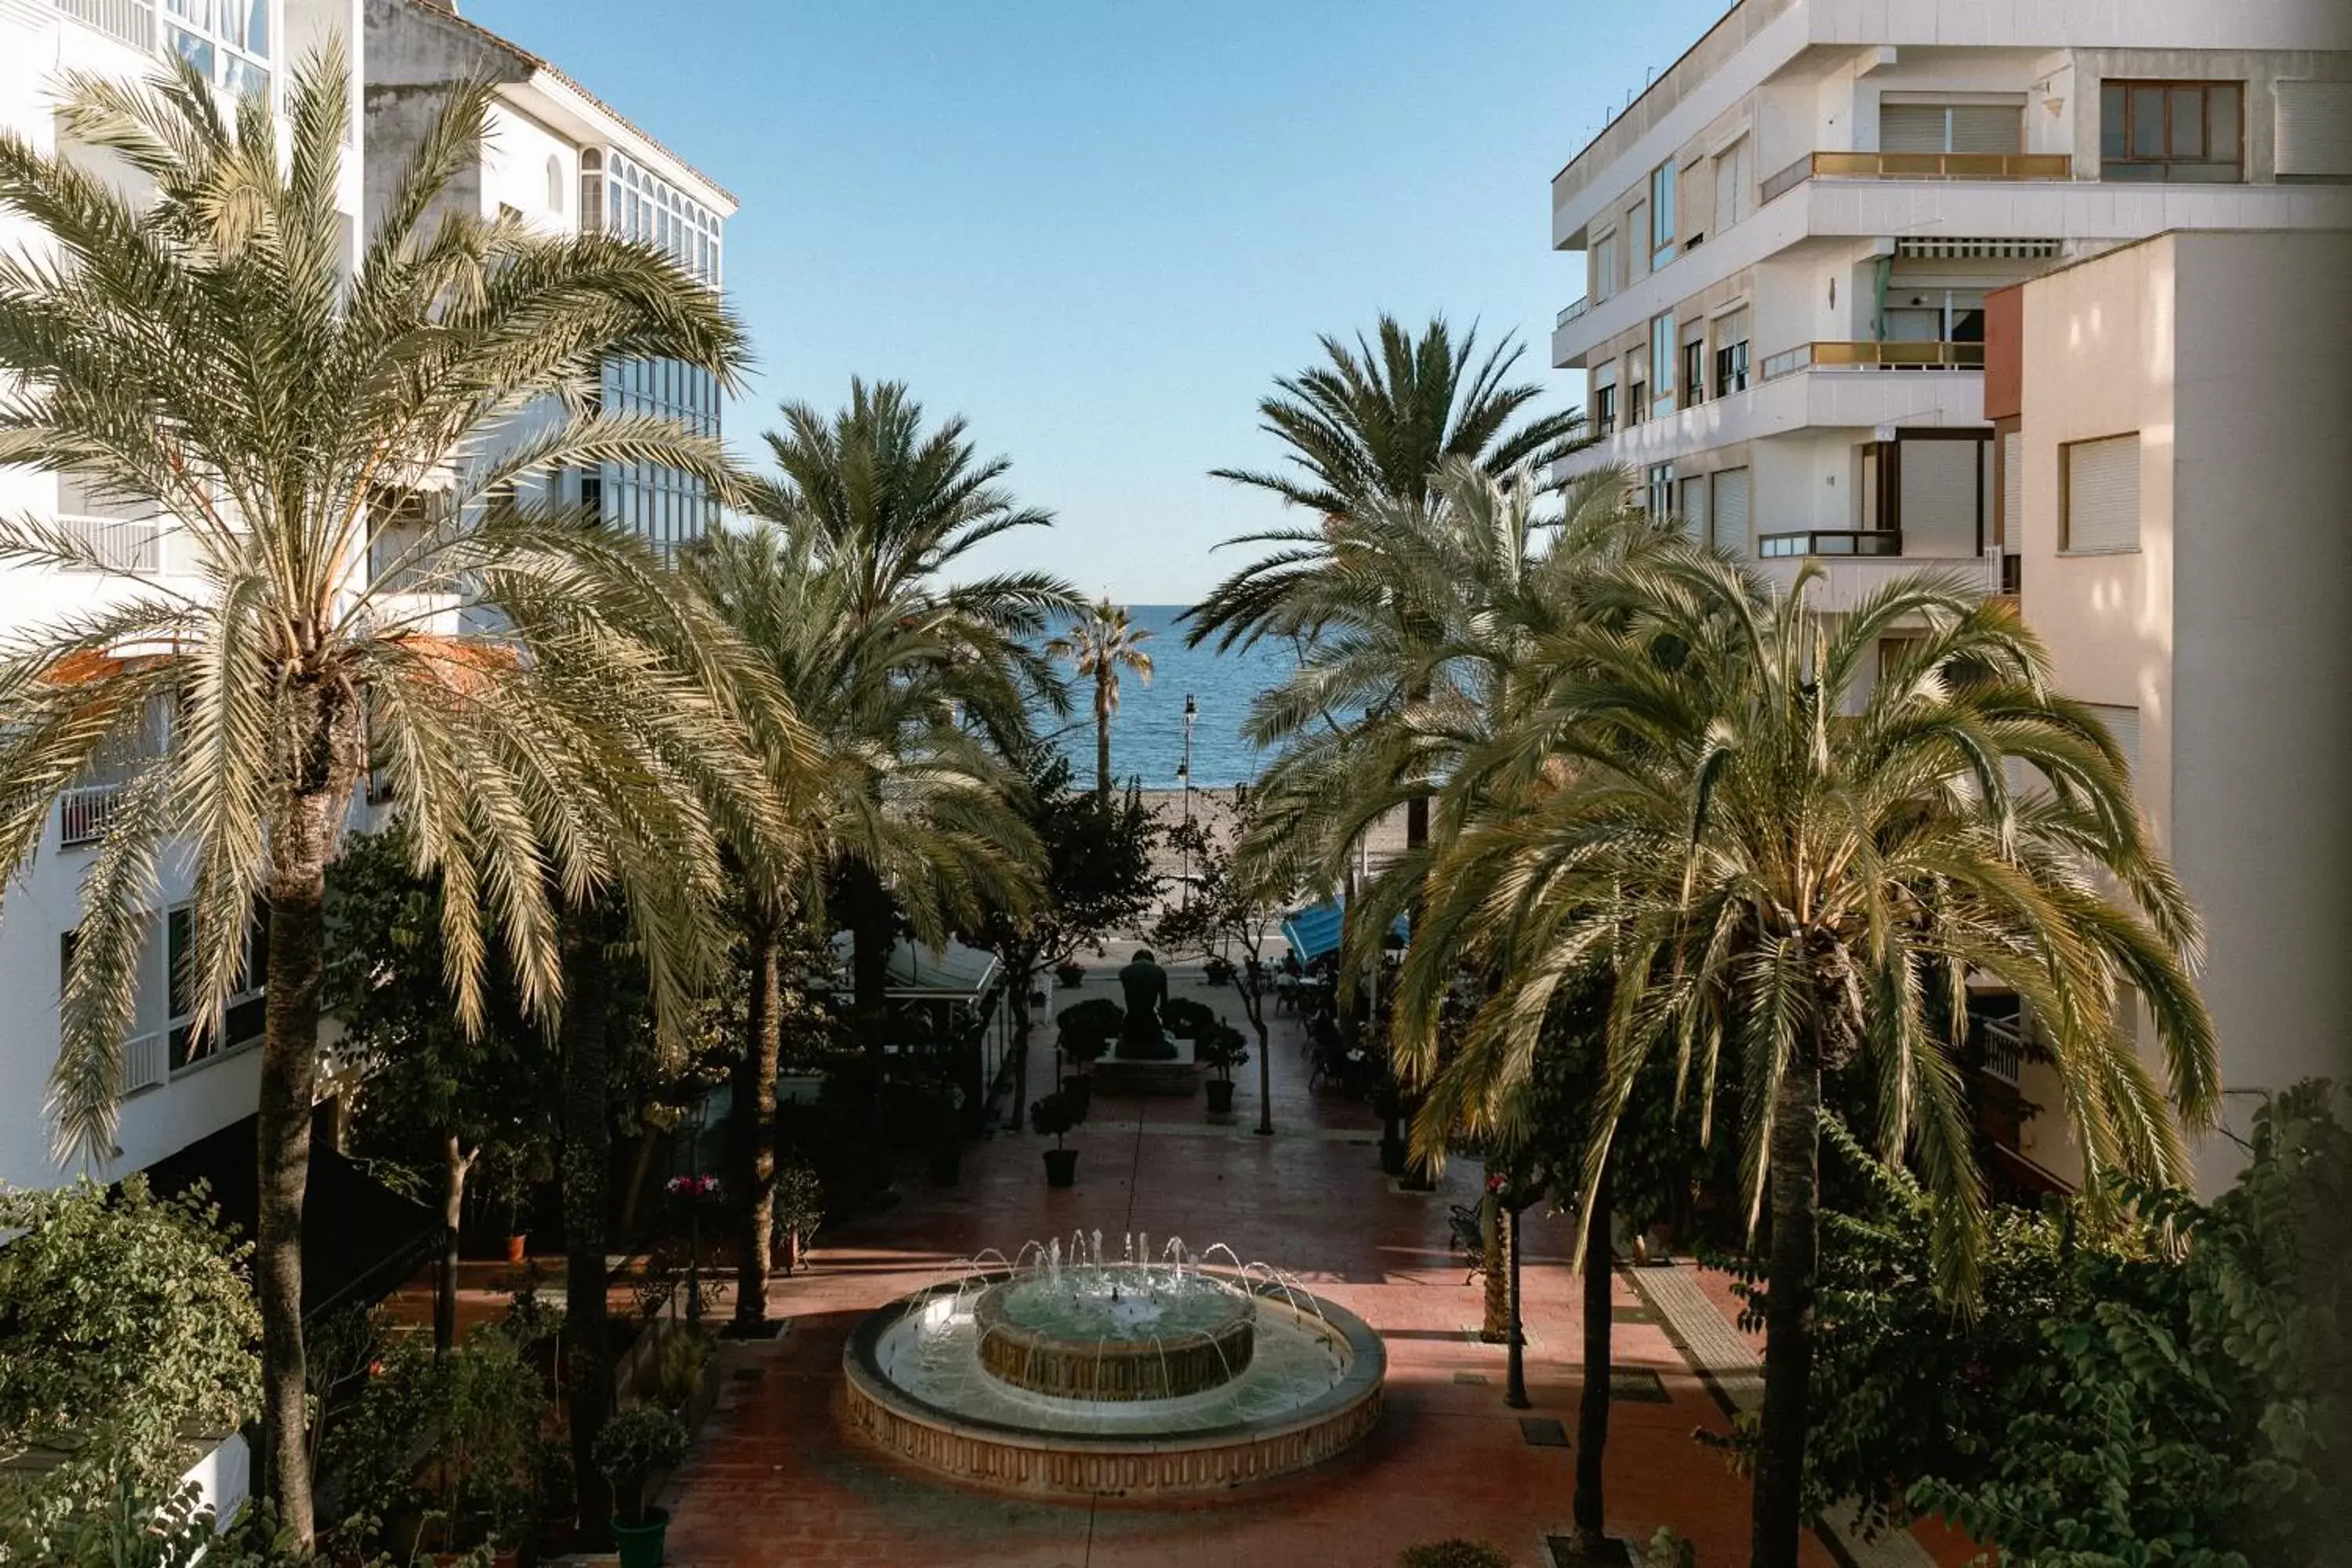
x=1099, y=229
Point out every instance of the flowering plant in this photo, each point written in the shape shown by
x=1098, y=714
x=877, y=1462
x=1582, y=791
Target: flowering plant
x=693, y=1187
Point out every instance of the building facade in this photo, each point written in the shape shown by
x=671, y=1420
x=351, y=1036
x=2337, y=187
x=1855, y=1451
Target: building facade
x=560, y=159
x=1789, y=238
x=2171, y=440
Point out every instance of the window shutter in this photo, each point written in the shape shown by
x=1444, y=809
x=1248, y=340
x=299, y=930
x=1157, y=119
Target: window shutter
x=1938, y=503
x=2102, y=494
x=2315, y=128
x=1695, y=508
x=2123, y=723
x=1731, y=184
x=1911, y=127
x=1988, y=128
x=1728, y=524
x=2013, y=491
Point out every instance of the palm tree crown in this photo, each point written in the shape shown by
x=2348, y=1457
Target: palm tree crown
x=1096, y=648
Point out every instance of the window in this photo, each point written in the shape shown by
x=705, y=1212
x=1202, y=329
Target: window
x=1662, y=216
x=1951, y=128
x=2181, y=131
x=1735, y=184
x=1662, y=363
x=1637, y=386
x=227, y=41
x=1604, y=266
x=2314, y=121
x=1693, y=506
x=591, y=191
x=1637, y=250
x=1731, y=353
x=1659, y=489
x=555, y=185
x=1934, y=315
x=1694, y=372
x=2099, y=500
x=242, y=1019
x=1727, y=512
x=1604, y=409
x=2009, y=523
x=2123, y=723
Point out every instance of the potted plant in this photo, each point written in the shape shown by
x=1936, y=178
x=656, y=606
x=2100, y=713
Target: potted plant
x=1223, y=1048
x=1054, y=1116
x=799, y=1210
x=1188, y=1019
x=1069, y=974
x=635, y=1448
x=1218, y=971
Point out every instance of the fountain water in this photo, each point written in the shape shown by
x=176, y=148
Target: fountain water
x=1068, y=1370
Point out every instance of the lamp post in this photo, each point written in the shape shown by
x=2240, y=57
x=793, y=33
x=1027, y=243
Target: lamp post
x=1184, y=772
x=1514, y=1391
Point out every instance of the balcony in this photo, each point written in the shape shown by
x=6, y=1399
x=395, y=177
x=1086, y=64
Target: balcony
x=1874, y=356
x=227, y=43
x=1920, y=166
x=1840, y=541
x=1570, y=311
x=118, y=543
x=83, y=812
x=145, y=1062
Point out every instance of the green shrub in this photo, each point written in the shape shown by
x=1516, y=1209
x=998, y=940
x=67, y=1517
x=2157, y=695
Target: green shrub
x=1088, y=1027
x=1187, y=1018
x=632, y=1448
x=1453, y=1553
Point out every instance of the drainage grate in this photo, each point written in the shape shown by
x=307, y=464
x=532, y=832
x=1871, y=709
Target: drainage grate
x=1471, y=1379
x=1613, y=1553
x=1631, y=1315
x=1638, y=1386
x=1543, y=1431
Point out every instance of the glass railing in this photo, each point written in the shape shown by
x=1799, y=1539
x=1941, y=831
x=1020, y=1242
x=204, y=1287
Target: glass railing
x=1830, y=542
x=1569, y=311
x=1921, y=167
x=1874, y=356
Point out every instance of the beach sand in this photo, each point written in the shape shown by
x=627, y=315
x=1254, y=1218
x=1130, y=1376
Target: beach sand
x=1215, y=807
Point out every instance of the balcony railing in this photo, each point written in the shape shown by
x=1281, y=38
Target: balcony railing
x=1841, y=542
x=129, y=21
x=1921, y=167
x=2004, y=1049
x=120, y=543
x=83, y=812
x=1874, y=356
x=145, y=1062
x=1571, y=311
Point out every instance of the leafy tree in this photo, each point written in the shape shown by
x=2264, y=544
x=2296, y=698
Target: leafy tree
x=2167, y=1389
x=1234, y=907
x=1794, y=888
x=1098, y=647
x=127, y=1328
x=1096, y=878
x=331, y=454
x=434, y=1093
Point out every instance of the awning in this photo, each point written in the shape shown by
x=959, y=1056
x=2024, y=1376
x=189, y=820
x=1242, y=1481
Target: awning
x=359, y=1238
x=916, y=971
x=1315, y=931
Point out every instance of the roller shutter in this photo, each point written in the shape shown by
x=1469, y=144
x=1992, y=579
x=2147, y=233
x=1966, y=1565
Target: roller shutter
x=2013, y=491
x=1728, y=523
x=2102, y=494
x=2315, y=128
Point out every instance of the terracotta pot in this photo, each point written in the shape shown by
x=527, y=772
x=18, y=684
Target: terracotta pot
x=518, y=1248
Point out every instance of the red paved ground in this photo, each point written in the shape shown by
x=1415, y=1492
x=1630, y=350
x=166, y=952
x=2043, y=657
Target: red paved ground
x=775, y=1480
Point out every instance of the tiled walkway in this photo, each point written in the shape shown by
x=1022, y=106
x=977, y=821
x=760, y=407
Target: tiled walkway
x=775, y=1480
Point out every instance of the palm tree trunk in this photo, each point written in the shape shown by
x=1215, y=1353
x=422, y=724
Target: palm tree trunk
x=1102, y=733
x=1779, y=1509
x=289, y=1078
x=1494, y=1261
x=1593, y=1407
x=587, y=1160
x=1024, y=976
x=455, y=1164
x=755, y=1123
x=869, y=977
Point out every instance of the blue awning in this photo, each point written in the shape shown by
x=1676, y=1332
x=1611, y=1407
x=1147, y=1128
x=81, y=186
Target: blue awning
x=1315, y=930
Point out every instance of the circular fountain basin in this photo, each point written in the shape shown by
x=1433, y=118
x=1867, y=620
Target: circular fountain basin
x=1148, y=1336
x=1310, y=1388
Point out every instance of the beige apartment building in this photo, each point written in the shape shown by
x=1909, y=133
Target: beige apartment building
x=2175, y=452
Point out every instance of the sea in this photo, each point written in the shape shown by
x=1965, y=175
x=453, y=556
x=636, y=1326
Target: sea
x=1147, y=734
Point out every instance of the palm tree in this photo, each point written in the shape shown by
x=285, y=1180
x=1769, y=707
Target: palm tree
x=1098, y=647
x=1372, y=427
x=335, y=459
x=1802, y=895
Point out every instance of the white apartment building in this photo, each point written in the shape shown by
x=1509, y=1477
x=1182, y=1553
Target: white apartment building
x=559, y=158
x=171, y=1098
x=2172, y=424
x=1787, y=240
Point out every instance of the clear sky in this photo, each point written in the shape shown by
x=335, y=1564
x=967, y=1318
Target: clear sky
x=1099, y=229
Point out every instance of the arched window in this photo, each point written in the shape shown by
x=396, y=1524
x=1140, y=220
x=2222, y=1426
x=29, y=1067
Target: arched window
x=554, y=184
x=591, y=191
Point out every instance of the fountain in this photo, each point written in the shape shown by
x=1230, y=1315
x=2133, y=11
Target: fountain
x=1068, y=1370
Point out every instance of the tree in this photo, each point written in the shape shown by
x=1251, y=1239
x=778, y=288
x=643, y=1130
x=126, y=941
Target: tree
x=333, y=460
x=2168, y=1386
x=1097, y=877
x=1098, y=647
x=1812, y=886
x=936, y=680
x=1371, y=427
x=127, y=1330
x=1233, y=906
x=433, y=1093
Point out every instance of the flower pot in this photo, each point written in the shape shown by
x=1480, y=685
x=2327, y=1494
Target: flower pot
x=794, y=1259
x=1221, y=1097
x=641, y=1544
x=516, y=1247
x=1061, y=1167
x=1392, y=1152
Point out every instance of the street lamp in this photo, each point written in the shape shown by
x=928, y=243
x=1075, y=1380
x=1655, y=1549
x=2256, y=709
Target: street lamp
x=1184, y=772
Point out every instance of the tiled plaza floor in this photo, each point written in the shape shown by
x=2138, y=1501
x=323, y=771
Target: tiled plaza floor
x=774, y=1477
